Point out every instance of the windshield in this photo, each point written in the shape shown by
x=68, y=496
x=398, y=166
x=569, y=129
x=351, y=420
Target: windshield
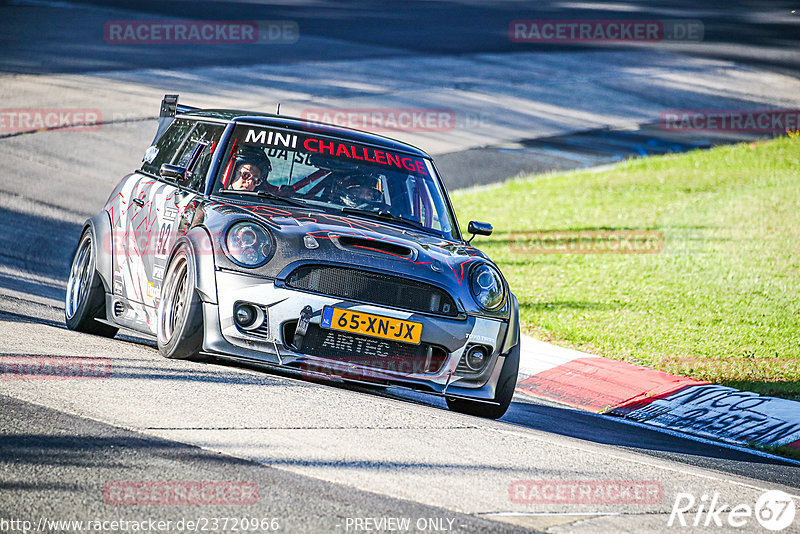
x=334, y=174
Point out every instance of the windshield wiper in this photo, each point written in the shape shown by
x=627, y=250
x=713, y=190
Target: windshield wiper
x=265, y=194
x=384, y=215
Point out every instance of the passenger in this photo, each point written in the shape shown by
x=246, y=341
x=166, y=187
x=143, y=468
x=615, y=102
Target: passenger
x=359, y=191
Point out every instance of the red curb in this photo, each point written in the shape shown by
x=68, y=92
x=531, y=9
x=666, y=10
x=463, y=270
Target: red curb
x=600, y=384
x=794, y=445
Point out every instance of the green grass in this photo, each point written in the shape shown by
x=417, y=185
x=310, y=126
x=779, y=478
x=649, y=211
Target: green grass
x=719, y=303
x=781, y=450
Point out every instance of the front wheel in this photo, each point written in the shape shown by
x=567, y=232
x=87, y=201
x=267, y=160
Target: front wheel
x=86, y=298
x=503, y=394
x=180, y=311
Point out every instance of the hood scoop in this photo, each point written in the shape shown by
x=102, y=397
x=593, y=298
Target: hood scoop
x=367, y=245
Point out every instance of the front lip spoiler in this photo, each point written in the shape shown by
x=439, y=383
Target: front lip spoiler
x=330, y=377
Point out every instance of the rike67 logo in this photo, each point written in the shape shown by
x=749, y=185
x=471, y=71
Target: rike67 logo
x=774, y=510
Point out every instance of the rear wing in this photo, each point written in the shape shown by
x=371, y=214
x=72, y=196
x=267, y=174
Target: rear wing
x=169, y=108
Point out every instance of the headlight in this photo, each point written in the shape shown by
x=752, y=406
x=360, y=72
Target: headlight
x=248, y=244
x=487, y=287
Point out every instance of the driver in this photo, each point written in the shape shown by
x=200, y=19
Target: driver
x=252, y=167
x=246, y=177
x=359, y=191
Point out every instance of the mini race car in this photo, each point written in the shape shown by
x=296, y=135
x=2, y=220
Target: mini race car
x=317, y=249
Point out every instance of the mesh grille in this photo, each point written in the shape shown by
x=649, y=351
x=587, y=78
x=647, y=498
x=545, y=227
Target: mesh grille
x=374, y=288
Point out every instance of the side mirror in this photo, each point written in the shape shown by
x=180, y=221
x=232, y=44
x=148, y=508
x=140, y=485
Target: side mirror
x=479, y=228
x=172, y=172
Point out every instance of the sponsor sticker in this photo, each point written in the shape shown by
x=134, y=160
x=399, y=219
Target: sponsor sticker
x=337, y=149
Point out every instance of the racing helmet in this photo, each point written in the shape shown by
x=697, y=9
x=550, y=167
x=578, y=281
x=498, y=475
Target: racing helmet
x=359, y=191
x=250, y=155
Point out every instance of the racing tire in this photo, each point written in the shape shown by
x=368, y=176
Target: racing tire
x=85, y=301
x=180, y=311
x=503, y=395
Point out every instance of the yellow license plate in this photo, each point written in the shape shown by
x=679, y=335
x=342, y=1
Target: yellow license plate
x=371, y=325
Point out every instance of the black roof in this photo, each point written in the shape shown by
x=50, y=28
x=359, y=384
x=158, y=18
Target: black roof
x=303, y=125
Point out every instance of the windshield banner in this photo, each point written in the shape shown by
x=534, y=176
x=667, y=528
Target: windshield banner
x=334, y=148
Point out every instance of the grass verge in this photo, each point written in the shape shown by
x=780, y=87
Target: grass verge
x=719, y=302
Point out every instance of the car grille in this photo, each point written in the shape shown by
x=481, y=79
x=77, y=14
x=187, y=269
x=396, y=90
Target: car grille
x=374, y=288
x=371, y=352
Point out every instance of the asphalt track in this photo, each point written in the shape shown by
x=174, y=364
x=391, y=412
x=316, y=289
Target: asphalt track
x=762, y=34
x=319, y=453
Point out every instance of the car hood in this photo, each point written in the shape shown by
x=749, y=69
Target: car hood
x=303, y=235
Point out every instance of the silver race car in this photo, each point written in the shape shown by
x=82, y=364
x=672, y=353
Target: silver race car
x=281, y=242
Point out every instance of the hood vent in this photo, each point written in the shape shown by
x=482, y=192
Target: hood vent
x=377, y=246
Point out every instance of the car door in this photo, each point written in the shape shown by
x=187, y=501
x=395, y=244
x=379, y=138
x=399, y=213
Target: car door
x=176, y=205
x=133, y=218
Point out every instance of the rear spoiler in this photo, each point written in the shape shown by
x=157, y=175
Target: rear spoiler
x=169, y=108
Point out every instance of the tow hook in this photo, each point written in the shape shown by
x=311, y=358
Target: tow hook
x=302, y=326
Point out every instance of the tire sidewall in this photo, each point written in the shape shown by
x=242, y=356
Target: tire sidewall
x=187, y=335
x=504, y=392
x=84, y=319
x=507, y=383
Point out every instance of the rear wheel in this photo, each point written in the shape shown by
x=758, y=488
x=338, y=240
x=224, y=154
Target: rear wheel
x=503, y=394
x=180, y=311
x=86, y=297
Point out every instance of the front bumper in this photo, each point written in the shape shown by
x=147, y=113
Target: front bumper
x=270, y=344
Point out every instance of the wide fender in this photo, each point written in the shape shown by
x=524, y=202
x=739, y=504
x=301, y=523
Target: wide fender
x=512, y=334
x=103, y=239
x=201, y=250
